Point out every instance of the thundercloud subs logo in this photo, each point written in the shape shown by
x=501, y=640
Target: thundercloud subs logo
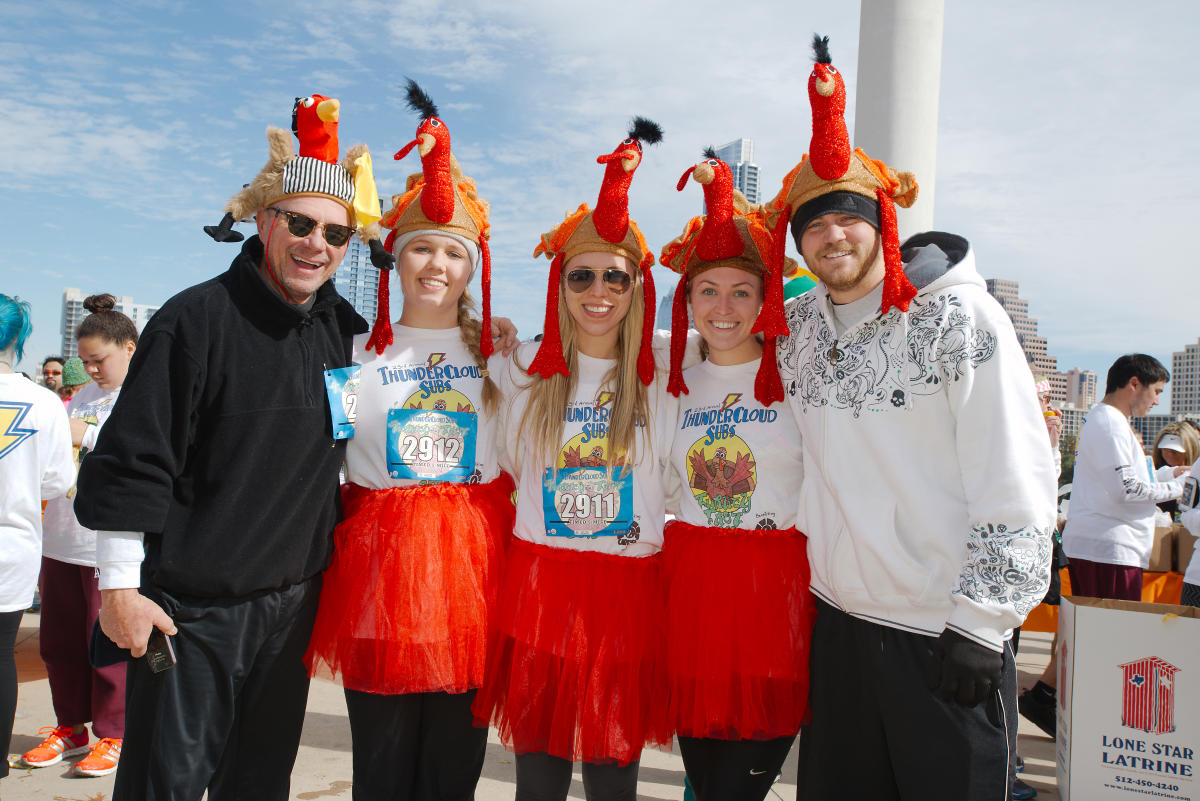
x=721, y=467
x=588, y=492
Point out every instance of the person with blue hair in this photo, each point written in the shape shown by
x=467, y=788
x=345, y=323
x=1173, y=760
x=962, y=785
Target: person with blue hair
x=35, y=464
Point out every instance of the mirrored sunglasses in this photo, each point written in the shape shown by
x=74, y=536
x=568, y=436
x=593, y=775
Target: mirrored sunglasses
x=301, y=225
x=617, y=281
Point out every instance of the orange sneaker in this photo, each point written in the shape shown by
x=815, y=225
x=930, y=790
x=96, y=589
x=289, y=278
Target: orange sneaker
x=59, y=743
x=102, y=760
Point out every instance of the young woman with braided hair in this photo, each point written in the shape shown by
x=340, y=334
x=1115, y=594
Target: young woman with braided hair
x=407, y=602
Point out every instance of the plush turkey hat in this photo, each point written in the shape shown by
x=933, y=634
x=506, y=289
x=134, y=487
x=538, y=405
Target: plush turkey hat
x=732, y=234
x=439, y=198
x=314, y=172
x=831, y=167
x=607, y=229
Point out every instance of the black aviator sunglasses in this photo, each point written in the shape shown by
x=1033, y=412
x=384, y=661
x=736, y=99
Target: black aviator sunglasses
x=580, y=279
x=301, y=225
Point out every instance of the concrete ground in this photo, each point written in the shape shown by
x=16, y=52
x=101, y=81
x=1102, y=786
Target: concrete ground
x=323, y=765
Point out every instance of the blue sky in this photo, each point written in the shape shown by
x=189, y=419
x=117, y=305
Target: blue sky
x=1066, y=134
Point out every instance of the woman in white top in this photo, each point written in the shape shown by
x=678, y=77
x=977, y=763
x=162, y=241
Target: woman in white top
x=739, y=611
x=407, y=602
x=575, y=673
x=35, y=465
x=69, y=584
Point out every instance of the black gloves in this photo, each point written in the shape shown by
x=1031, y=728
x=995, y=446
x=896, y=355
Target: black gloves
x=962, y=670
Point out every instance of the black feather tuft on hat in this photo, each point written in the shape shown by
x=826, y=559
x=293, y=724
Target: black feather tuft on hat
x=710, y=152
x=420, y=102
x=645, y=131
x=820, y=47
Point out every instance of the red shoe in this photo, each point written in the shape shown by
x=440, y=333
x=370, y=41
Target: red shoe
x=59, y=743
x=102, y=760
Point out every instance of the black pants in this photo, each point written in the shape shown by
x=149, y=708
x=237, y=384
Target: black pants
x=227, y=717
x=415, y=747
x=733, y=770
x=541, y=777
x=876, y=725
x=10, y=622
x=1190, y=595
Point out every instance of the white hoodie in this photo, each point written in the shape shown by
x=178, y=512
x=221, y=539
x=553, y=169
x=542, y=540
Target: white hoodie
x=930, y=494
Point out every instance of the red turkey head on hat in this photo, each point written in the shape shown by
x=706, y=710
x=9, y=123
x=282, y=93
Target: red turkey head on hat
x=607, y=229
x=440, y=197
x=830, y=168
x=315, y=124
x=732, y=233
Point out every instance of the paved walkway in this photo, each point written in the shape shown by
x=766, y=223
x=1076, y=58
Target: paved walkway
x=323, y=765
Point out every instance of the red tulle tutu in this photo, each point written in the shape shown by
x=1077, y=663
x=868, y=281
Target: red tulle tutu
x=739, y=621
x=577, y=665
x=408, y=596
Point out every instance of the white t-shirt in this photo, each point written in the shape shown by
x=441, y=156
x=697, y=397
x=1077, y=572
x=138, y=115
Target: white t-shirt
x=739, y=462
x=1113, y=496
x=420, y=413
x=35, y=464
x=577, y=503
x=65, y=539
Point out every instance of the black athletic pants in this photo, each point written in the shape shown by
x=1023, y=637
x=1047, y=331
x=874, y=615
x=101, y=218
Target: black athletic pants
x=733, y=770
x=10, y=622
x=876, y=726
x=227, y=717
x=542, y=777
x=415, y=747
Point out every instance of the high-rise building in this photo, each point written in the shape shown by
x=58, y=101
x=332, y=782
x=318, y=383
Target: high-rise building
x=1185, y=380
x=1081, y=388
x=73, y=314
x=739, y=155
x=357, y=279
x=1007, y=294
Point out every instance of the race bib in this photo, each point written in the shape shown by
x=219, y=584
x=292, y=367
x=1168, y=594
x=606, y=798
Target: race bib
x=431, y=444
x=341, y=386
x=1188, y=499
x=586, y=502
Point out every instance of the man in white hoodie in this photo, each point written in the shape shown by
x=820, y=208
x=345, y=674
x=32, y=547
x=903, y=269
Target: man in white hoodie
x=928, y=498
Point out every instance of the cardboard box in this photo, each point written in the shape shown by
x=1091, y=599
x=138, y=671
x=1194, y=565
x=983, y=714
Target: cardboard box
x=1185, y=545
x=1162, y=553
x=1128, y=701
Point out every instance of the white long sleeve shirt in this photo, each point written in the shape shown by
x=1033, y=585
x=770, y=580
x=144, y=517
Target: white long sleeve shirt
x=1113, y=496
x=64, y=539
x=35, y=465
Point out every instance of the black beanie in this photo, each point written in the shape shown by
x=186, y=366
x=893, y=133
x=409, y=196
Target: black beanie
x=840, y=202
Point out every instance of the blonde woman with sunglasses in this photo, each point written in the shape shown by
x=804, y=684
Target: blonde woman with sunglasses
x=575, y=673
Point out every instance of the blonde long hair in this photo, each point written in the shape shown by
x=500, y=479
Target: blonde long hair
x=548, y=397
x=1186, y=434
x=470, y=327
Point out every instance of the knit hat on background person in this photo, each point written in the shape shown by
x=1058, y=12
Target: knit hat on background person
x=438, y=199
x=606, y=229
x=832, y=178
x=73, y=374
x=315, y=172
x=733, y=233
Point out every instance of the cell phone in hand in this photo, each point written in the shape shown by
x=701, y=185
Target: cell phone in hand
x=160, y=655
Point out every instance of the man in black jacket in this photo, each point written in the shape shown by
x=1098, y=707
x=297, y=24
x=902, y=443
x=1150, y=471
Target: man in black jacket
x=215, y=490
